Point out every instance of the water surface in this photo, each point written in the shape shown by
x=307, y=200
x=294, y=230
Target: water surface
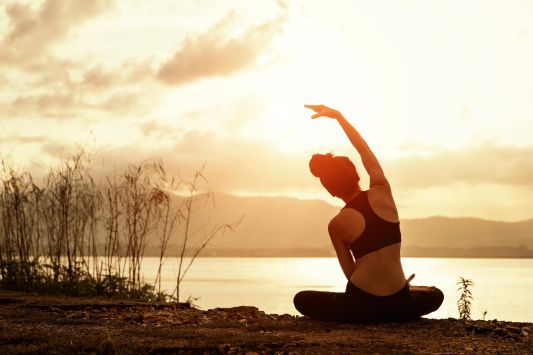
x=503, y=287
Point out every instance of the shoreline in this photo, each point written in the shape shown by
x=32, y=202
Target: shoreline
x=62, y=324
x=244, y=255
x=408, y=251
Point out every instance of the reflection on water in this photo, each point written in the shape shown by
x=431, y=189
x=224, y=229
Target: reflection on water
x=502, y=286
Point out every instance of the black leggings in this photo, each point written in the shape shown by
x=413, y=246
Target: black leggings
x=356, y=305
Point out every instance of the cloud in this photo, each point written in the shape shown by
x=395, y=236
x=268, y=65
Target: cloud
x=214, y=53
x=481, y=164
x=127, y=74
x=154, y=128
x=231, y=163
x=44, y=86
x=224, y=118
x=45, y=102
x=240, y=164
x=4, y=81
x=72, y=105
x=27, y=139
x=32, y=31
x=54, y=93
x=98, y=78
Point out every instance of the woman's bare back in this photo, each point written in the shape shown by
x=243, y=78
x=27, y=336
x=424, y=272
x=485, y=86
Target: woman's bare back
x=379, y=272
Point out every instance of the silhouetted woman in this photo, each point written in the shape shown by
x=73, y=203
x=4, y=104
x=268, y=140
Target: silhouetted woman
x=366, y=237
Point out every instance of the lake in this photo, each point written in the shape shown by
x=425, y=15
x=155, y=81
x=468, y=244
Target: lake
x=503, y=287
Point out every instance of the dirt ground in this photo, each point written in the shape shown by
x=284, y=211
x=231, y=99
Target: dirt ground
x=37, y=324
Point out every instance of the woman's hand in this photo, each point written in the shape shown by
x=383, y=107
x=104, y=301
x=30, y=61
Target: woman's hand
x=324, y=111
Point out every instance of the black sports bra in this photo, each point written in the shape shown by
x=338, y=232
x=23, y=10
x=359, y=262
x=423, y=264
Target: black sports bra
x=378, y=233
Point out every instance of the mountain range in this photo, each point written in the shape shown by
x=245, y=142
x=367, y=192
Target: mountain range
x=282, y=226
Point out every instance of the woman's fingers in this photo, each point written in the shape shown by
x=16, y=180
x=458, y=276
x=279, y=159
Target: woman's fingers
x=410, y=278
x=322, y=111
x=315, y=108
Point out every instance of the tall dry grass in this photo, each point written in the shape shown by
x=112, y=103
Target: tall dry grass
x=72, y=235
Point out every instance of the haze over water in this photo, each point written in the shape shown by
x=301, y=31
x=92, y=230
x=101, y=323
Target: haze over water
x=503, y=287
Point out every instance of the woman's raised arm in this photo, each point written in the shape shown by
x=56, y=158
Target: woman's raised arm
x=370, y=162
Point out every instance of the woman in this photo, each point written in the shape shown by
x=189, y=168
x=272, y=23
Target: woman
x=366, y=237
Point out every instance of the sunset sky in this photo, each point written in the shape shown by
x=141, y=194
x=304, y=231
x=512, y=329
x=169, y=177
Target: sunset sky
x=441, y=90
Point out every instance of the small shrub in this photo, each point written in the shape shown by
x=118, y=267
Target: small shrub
x=464, y=303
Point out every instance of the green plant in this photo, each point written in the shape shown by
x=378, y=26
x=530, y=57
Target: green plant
x=464, y=303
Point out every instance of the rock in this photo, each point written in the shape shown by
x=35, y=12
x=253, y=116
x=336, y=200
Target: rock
x=483, y=329
x=224, y=347
x=524, y=333
x=107, y=347
x=135, y=317
x=511, y=329
x=7, y=300
x=150, y=317
x=244, y=309
x=205, y=320
x=499, y=331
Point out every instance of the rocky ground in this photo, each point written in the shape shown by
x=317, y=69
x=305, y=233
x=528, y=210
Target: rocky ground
x=37, y=324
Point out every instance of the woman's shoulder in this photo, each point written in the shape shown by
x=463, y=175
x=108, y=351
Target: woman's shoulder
x=348, y=224
x=382, y=203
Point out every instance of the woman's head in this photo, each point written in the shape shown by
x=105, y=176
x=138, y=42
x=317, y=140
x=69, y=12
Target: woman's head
x=337, y=174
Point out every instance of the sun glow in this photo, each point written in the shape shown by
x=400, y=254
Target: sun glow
x=413, y=86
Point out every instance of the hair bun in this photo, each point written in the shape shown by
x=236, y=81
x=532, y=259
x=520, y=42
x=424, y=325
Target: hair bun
x=320, y=163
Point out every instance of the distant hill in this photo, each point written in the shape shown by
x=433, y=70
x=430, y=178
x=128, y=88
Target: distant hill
x=466, y=232
x=288, y=226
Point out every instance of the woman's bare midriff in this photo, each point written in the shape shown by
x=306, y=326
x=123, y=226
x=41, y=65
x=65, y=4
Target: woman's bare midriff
x=380, y=272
